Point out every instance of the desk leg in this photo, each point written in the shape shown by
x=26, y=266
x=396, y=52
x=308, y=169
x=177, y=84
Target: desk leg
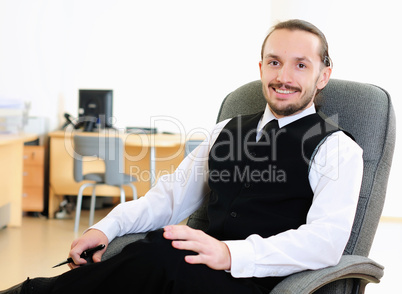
x=54, y=202
x=152, y=166
x=11, y=170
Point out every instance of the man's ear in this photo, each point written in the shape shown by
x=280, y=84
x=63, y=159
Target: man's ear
x=260, y=65
x=324, y=77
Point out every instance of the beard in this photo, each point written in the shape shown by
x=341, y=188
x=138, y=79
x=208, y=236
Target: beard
x=293, y=108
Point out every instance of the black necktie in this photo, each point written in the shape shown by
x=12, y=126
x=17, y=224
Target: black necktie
x=268, y=130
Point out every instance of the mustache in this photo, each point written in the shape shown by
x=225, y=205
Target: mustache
x=287, y=87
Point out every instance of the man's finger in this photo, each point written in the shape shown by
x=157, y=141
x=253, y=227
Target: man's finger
x=194, y=259
x=178, y=232
x=188, y=245
x=97, y=257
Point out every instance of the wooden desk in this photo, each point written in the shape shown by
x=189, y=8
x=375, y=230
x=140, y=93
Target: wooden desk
x=145, y=156
x=11, y=174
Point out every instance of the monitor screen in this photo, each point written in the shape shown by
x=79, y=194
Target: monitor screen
x=95, y=108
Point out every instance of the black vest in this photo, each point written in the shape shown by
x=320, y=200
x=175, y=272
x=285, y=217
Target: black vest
x=262, y=188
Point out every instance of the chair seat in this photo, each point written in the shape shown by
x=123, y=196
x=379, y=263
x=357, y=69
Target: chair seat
x=99, y=178
x=96, y=177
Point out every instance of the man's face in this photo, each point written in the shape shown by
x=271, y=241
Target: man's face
x=291, y=71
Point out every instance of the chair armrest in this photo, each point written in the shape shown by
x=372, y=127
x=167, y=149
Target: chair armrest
x=117, y=245
x=350, y=266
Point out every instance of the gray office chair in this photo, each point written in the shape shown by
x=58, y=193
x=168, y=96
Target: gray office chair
x=111, y=151
x=366, y=112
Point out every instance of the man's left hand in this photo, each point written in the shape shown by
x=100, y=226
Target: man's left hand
x=211, y=252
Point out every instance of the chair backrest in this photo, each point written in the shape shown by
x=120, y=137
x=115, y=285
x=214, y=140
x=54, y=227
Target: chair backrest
x=108, y=148
x=363, y=110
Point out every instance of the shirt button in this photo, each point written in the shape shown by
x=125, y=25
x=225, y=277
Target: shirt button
x=233, y=214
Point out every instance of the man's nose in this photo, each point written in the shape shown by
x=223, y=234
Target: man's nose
x=284, y=75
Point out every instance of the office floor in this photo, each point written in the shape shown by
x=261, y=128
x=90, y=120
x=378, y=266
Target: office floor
x=40, y=243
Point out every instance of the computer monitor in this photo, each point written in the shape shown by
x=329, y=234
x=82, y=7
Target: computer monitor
x=95, y=107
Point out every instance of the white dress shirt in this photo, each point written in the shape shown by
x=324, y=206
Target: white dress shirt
x=335, y=178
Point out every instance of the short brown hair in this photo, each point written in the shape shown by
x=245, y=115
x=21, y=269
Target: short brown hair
x=302, y=25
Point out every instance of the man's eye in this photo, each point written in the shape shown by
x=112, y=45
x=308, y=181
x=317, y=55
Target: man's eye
x=301, y=66
x=273, y=62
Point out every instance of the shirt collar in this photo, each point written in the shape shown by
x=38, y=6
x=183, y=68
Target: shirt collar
x=268, y=116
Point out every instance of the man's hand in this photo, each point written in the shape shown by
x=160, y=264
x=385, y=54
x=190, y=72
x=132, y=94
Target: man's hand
x=90, y=239
x=211, y=252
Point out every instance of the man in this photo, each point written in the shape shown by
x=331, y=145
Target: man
x=261, y=228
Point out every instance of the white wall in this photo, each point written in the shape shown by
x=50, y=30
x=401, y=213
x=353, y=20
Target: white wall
x=179, y=58
x=176, y=58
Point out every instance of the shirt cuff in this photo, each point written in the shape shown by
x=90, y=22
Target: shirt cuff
x=242, y=258
x=108, y=227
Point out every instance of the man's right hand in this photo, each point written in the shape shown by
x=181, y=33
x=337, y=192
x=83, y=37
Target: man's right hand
x=90, y=239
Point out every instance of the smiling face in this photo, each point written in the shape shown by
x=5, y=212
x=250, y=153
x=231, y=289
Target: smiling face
x=291, y=71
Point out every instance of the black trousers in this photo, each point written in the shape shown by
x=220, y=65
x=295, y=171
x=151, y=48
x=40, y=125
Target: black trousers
x=152, y=265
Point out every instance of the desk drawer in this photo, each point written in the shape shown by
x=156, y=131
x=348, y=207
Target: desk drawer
x=32, y=199
x=33, y=176
x=34, y=155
